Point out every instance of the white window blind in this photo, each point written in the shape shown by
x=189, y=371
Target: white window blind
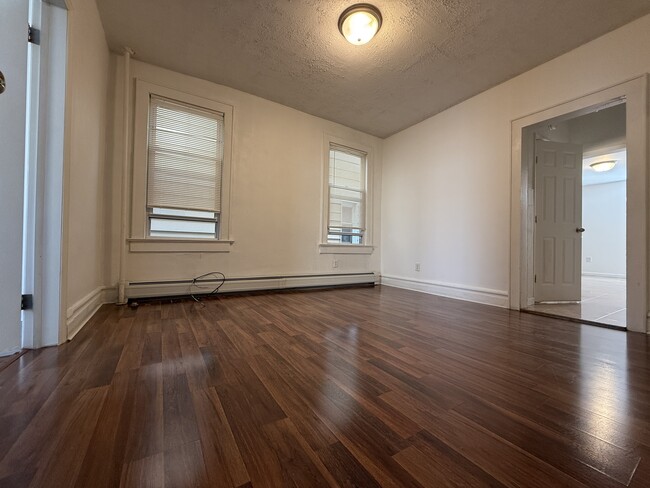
x=185, y=156
x=347, y=193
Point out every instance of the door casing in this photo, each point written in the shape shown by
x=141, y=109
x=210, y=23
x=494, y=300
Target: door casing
x=634, y=93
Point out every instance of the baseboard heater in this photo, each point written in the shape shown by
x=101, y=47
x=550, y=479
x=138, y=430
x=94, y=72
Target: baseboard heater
x=176, y=288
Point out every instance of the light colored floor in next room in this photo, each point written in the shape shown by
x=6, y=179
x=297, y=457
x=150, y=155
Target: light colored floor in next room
x=603, y=300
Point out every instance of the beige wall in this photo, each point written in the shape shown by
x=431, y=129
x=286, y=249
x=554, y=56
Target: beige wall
x=446, y=181
x=86, y=108
x=276, y=193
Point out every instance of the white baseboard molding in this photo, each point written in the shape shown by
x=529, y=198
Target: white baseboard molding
x=497, y=298
x=10, y=352
x=603, y=275
x=182, y=287
x=80, y=312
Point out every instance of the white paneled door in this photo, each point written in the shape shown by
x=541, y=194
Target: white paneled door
x=13, y=65
x=558, y=221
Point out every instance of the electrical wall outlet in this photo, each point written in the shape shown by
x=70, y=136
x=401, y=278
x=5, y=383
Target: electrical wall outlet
x=417, y=266
x=588, y=259
x=335, y=263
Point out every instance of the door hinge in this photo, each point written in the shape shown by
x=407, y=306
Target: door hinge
x=535, y=279
x=27, y=302
x=535, y=218
x=33, y=35
x=536, y=159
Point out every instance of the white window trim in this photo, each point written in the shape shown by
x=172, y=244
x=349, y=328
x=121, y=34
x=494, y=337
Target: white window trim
x=328, y=248
x=157, y=244
x=139, y=240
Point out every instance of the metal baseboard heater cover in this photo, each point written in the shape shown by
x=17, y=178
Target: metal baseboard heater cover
x=153, y=289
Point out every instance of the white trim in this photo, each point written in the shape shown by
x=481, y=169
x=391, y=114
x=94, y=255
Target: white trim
x=604, y=275
x=344, y=249
x=635, y=94
x=10, y=352
x=486, y=296
x=82, y=311
x=164, y=289
x=178, y=245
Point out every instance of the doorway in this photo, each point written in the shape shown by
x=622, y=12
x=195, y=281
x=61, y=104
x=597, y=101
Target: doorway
x=578, y=185
x=32, y=111
x=633, y=94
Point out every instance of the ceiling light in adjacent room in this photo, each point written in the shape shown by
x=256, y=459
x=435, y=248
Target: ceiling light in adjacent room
x=601, y=166
x=359, y=23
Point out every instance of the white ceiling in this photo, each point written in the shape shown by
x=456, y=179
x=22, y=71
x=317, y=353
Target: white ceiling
x=428, y=55
x=617, y=173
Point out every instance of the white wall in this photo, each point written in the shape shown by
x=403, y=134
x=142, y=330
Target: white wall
x=84, y=196
x=275, y=195
x=603, y=215
x=446, y=181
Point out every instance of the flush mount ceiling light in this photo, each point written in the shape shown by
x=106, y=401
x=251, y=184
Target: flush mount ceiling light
x=601, y=166
x=359, y=23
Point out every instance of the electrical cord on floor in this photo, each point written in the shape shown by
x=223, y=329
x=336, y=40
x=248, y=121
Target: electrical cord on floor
x=196, y=286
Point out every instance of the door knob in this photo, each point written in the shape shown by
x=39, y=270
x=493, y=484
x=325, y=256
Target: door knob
x=580, y=230
x=3, y=84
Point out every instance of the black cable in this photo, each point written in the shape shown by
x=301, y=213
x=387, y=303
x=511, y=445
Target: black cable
x=218, y=275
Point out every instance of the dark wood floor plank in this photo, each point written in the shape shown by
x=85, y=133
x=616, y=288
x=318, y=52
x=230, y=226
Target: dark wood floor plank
x=293, y=403
x=148, y=472
x=60, y=464
x=298, y=462
x=504, y=462
x=145, y=437
x=348, y=387
x=588, y=459
x=179, y=419
x=435, y=465
x=345, y=468
x=184, y=467
x=221, y=454
x=104, y=458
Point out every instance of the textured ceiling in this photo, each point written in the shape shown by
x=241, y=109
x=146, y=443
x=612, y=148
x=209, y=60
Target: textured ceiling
x=428, y=55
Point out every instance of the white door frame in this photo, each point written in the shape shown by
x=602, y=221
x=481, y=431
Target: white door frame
x=42, y=269
x=635, y=93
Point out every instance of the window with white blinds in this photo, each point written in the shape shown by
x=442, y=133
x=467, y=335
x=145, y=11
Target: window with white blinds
x=347, y=196
x=185, y=156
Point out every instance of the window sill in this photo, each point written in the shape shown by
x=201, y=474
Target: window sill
x=345, y=249
x=179, y=245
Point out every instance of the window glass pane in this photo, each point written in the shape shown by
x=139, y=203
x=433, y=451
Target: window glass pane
x=345, y=170
x=169, y=222
x=344, y=235
x=346, y=196
x=345, y=213
x=182, y=228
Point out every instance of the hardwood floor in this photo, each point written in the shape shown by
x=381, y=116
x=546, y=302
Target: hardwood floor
x=351, y=387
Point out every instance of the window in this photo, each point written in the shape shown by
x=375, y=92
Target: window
x=181, y=172
x=184, y=168
x=347, y=196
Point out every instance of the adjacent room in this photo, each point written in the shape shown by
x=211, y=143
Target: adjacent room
x=324, y=243
x=579, y=254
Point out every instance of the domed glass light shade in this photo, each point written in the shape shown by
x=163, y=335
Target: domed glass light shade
x=359, y=23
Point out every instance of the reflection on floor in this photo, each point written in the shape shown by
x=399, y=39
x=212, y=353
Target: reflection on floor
x=603, y=300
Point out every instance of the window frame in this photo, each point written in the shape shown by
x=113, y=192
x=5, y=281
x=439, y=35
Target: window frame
x=140, y=240
x=366, y=246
